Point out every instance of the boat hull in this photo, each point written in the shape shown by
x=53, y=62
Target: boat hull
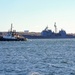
x=48, y=37
x=17, y=39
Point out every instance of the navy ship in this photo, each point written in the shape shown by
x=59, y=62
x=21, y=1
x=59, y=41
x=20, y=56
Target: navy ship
x=12, y=36
x=49, y=34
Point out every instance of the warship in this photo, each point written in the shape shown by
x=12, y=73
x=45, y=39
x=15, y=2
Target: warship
x=49, y=34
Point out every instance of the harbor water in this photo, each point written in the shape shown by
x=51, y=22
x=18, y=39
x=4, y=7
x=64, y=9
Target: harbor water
x=38, y=57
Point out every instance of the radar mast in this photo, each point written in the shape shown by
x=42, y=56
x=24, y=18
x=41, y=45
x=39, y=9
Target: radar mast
x=55, y=27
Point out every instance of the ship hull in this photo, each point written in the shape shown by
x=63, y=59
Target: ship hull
x=17, y=39
x=48, y=37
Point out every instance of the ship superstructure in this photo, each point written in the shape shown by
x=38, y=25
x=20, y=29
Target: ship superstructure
x=53, y=34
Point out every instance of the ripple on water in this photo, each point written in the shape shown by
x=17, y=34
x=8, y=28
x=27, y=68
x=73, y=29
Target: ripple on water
x=38, y=57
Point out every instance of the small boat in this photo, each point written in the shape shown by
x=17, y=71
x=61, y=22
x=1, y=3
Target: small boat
x=12, y=36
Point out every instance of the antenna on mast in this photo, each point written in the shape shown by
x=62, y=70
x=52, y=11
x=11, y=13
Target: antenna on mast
x=55, y=27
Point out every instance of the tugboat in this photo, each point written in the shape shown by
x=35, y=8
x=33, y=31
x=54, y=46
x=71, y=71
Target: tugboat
x=12, y=36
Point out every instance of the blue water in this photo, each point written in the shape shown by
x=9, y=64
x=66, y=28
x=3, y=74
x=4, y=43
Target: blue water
x=38, y=57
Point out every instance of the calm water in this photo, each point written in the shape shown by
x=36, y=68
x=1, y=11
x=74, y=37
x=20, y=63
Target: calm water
x=38, y=57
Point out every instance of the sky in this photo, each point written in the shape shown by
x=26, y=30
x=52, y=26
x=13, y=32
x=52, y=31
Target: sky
x=35, y=15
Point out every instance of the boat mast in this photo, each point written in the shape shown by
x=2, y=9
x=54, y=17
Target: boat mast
x=11, y=27
x=11, y=30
